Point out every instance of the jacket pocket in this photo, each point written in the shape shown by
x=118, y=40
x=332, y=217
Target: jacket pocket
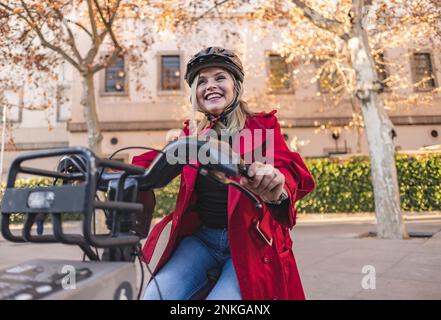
x=280, y=239
x=285, y=261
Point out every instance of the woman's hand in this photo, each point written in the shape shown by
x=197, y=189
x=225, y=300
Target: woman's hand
x=267, y=181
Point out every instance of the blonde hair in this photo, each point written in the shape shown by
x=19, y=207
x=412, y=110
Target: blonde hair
x=235, y=120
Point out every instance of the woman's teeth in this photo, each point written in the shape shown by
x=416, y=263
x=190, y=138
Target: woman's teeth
x=213, y=97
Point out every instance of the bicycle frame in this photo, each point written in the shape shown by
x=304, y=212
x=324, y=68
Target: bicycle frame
x=77, y=194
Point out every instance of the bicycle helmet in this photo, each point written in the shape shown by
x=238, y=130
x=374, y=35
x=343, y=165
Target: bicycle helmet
x=214, y=57
x=72, y=163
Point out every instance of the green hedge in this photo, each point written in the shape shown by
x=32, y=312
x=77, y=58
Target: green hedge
x=346, y=185
x=342, y=185
x=420, y=182
x=166, y=198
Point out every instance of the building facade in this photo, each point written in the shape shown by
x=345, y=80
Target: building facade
x=32, y=124
x=311, y=121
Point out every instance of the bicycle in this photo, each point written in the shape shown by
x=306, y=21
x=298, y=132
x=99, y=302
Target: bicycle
x=76, y=183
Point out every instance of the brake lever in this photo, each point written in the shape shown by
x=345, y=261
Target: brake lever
x=247, y=192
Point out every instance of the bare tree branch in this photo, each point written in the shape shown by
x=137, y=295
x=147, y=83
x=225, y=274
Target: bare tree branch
x=30, y=42
x=108, y=24
x=6, y=15
x=92, y=19
x=97, y=38
x=115, y=11
x=111, y=14
x=44, y=42
x=81, y=26
x=320, y=21
x=109, y=61
x=72, y=42
x=95, y=48
x=216, y=5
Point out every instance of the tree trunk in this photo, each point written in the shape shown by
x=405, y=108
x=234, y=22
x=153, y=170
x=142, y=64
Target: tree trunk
x=94, y=135
x=379, y=135
x=357, y=127
x=88, y=102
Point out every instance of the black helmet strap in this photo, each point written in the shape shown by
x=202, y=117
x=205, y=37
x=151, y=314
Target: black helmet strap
x=213, y=119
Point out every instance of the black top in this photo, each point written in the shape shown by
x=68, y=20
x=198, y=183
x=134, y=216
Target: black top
x=212, y=204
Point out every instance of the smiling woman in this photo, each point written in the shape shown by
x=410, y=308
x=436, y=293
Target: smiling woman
x=215, y=90
x=217, y=70
x=213, y=227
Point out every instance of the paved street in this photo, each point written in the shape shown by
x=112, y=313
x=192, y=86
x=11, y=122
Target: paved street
x=330, y=257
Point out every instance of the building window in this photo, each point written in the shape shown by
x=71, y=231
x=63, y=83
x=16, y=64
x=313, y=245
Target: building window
x=279, y=74
x=170, y=72
x=423, y=76
x=12, y=99
x=329, y=79
x=382, y=71
x=64, y=105
x=115, y=77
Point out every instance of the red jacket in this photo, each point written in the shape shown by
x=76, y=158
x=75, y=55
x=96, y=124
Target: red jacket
x=260, y=244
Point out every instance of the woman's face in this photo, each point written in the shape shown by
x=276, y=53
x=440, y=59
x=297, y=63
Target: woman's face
x=215, y=90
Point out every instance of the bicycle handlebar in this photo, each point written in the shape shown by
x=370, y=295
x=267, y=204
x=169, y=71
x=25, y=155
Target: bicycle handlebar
x=77, y=193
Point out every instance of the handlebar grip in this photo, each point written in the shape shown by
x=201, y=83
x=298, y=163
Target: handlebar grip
x=116, y=165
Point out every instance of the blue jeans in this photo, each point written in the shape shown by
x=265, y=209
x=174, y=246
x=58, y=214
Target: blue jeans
x=186, y=271
x=40, y=227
